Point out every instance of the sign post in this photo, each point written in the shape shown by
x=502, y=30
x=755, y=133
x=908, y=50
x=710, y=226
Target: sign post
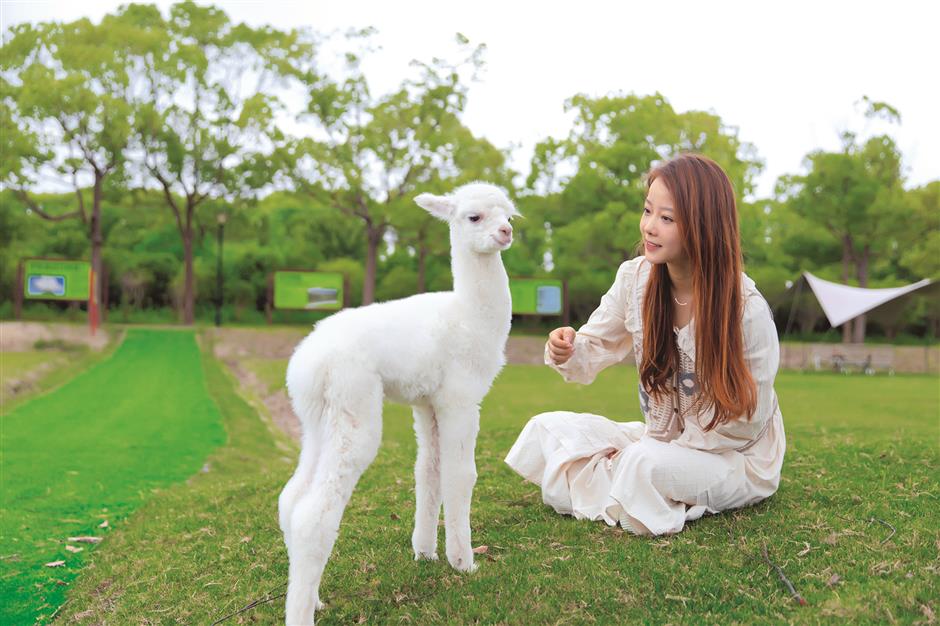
x=92, y=303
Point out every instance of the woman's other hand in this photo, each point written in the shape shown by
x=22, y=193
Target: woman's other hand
x=561, y=344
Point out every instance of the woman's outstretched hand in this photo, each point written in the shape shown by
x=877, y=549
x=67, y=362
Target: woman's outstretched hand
x=561, y=344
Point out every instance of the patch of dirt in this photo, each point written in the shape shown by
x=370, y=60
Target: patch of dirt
x=277, y=403
x=60, y=338
x=280, y=344
x=13, y=387
x=525, y=350
x=22, y=336
x=249, y=343
x=233, y=345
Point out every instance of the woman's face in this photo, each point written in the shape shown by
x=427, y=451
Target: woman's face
x=661, y=241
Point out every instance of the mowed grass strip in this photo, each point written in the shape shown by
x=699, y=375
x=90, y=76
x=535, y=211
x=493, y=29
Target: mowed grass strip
x=91, y=451
x=862, y=454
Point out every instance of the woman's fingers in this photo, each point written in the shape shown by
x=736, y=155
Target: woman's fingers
x=561, y=344
x=562, y=337
x=559, y=355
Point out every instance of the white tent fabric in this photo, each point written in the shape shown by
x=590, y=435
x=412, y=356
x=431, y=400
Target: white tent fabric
x=841, y=303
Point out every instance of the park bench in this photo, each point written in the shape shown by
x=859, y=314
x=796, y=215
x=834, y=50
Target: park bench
x=846, y=358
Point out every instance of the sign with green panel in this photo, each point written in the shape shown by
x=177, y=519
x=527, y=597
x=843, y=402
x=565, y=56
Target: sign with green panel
x=295, y=289
x=56, y=280
x=537, y=296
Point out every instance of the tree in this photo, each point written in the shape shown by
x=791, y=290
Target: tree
x=854, y=194
x=592, y=182
x=65, y=117
x=377, y=150
x=921, y=246
x=205, y=115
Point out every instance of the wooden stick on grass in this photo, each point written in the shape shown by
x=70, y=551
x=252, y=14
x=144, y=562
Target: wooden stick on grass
x=263, y=600
x=793, y=593
x=52, y=617
x=872, y=520
x=881, y=521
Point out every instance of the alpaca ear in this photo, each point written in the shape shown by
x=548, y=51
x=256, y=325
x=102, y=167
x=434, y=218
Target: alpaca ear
x=440, y=207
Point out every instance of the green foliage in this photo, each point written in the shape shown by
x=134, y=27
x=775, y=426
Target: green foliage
x=921, y=246
x=397, y=282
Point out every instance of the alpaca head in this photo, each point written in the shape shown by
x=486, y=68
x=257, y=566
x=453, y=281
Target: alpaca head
x=479, y=215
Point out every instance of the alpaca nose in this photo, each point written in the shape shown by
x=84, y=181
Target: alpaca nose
x=506, y=231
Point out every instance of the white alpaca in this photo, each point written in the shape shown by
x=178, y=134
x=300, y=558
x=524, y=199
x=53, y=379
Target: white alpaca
x=438, y=352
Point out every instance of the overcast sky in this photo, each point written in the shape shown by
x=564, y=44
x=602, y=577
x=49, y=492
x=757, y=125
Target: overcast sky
x=786, y=74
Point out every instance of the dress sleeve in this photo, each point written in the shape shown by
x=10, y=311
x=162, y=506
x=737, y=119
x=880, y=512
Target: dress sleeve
x=762, y=356
x=604, y=339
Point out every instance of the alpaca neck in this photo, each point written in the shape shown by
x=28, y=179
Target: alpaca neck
x=481, y=284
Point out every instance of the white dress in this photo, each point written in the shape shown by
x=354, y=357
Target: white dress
x=668, y=470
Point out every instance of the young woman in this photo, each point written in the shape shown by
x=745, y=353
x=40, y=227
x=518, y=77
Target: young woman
x=707, y=352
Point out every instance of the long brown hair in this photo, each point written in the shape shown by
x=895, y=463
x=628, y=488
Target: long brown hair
x=707, y=218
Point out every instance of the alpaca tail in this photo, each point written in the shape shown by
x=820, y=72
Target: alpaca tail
x=307, y=374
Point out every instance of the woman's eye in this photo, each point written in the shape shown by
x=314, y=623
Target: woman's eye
x=667, y=219
x=474, y=218
x=645, y=210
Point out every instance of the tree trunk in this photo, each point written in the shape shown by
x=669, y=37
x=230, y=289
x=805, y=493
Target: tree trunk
x=861, y=266
x=189, y=292
x=374, y=238
x=97, y=241
x=846, y=261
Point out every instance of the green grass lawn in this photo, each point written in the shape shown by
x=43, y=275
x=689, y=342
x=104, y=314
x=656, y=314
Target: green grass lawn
x=862, y=454
x=93, y=450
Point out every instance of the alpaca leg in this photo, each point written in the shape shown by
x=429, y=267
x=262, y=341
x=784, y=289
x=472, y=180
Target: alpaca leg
x=350, y=446
x=299, y=483
x=458, y=434
x=427, y=484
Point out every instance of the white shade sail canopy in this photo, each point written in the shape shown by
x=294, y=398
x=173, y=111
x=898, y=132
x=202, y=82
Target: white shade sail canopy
x=841, y=303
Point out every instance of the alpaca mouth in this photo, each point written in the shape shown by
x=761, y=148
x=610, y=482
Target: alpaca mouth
x=505, y=243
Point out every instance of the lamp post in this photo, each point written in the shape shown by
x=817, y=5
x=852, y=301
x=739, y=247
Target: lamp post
x=218, y=271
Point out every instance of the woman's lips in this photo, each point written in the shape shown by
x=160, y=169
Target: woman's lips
x=652, y=246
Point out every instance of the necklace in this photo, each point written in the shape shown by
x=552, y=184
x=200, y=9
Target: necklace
x=679, y=303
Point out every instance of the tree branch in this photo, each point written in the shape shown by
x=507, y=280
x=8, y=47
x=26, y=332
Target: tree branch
x=168, y=195
x=22, y=195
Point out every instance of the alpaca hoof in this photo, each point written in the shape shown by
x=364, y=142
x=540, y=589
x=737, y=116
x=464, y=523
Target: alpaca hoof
x=425, y=556
x=464, y=565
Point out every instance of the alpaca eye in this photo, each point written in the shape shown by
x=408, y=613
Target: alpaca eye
x=474, y=218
